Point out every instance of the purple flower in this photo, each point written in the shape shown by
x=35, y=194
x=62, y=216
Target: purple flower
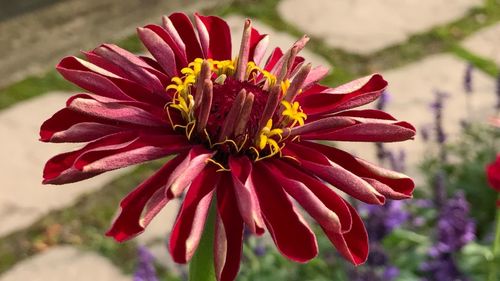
x=390, y=273
x=145, y=270
x=437, y=107
x=455, y=228
x=383, y=100
x=468, y=79
x=443, y=268
x=382, y=220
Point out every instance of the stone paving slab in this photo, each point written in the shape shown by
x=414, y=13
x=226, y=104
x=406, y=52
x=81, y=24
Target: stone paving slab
x=23, y=198
x=485, y=42
x=65, y=263
x=411, y=91
x=276, y=39
x=365, y=26
x=34, y=42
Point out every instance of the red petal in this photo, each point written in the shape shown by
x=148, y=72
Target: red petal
x=353, y=245
x=126, y=83
x=134, y=67
x=366, y=132
x=291, y=234
x=186, y=32
x=179, y=50
x=258, y=46
x=314, y=76
x=217, y=34
x=70, y=126
x=391, y=184
x=322, y=203
x=274, y=57
x=160, y=50
x=493, y=174
x=90, y=77
x=350, y=95
x=128, y=223
x=229, y=232
x=190, y=221
x=343, y=179
x=109, y=153
x=117, y=111
x=248, y=204
x=194, y=163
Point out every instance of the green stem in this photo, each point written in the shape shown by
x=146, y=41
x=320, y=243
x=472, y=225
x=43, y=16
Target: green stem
x=201, y=267
x=496, y=249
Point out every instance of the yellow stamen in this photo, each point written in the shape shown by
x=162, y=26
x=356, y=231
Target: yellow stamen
x=293, y=113
x=265, y=137
x=222, y=168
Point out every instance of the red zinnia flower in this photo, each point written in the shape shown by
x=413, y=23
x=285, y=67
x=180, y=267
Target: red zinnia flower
x=493, y=174
x=243, y=134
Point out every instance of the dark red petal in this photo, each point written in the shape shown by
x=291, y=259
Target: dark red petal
x=160, y=50
x=316, y=198
x=274, y=57
x=258, y=46
x=179, y=51
x=217, y=34
x=134, y=61
x=129, y=223
x=343, y=179
x=290, y=232
x=350, y=95
x=391, y=184
x=108, y=153
x=315, y=76
x=122, y=112
x=93, y=80
x=366, y=132
x=70, y=126
x=193, y=164
x=353, y=245
x=132, y=66
x=366, y=114
x=185, y=29
x=190, y=222
x=248, y=204
x=493, y=174
x=229, y=232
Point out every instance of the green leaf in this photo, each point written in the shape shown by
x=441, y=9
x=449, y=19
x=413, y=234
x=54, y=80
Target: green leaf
x=201, y=267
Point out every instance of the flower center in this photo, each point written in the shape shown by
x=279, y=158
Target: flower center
x=231, y=115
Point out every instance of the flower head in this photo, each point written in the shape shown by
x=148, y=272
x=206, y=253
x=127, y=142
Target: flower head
x=242, y=134
x=455, y=228
x=493, y=174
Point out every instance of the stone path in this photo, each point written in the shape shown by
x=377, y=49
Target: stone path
x=34, y=42
x=360, y=26
x=65, y=263
x=485, y=43
x=23, y=199
x=366, y=26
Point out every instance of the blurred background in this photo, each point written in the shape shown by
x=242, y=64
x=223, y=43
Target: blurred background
x=440, y=57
